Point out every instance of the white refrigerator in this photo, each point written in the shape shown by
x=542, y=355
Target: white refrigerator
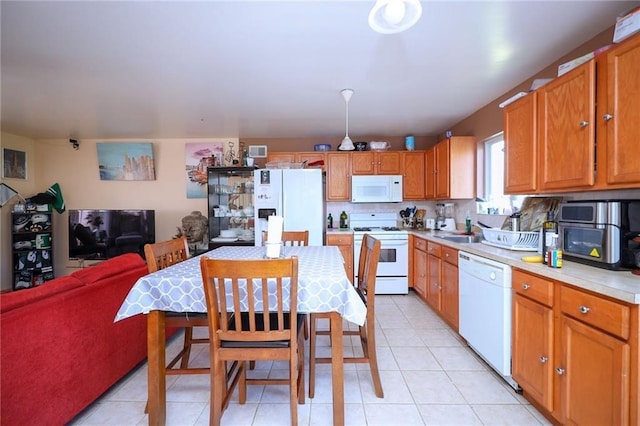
x=295, y=194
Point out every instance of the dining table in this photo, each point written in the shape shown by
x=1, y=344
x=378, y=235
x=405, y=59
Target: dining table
x=323, y=287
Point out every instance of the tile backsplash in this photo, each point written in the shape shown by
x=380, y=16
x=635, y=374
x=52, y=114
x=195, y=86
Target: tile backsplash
x=462, y=206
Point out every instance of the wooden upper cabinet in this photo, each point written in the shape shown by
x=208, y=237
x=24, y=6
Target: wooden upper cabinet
x=455, y=176
x=442, y=169
x=296, y=157
x=363, y=163
x=620, y=116
x=413, y=175
x=376, y=163
x=521, y=146
x=338, y=166
x=281, y=157
x=311, y=157
x=430, y=173
x=566, y=126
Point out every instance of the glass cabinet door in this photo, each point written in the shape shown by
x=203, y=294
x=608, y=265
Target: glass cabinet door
x=230, y=206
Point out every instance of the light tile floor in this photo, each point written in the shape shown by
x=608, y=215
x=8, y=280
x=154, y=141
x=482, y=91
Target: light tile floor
x=428, y=374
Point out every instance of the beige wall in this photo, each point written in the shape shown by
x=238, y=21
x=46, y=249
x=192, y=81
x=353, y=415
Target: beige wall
x=24, y=187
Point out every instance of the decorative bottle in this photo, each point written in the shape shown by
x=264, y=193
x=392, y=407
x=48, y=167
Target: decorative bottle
x=343, y=220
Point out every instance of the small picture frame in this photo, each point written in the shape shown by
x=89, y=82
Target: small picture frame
x=14, y=164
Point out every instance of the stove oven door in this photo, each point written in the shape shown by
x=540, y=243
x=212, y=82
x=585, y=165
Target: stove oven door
x=393, y=264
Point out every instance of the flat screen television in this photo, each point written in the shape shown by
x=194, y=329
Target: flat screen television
x=102, y=234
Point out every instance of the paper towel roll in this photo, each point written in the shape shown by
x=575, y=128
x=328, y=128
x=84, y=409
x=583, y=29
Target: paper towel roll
x=274, y=229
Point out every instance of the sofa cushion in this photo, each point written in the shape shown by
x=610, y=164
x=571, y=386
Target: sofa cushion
x=109, y=268
x=16, y=299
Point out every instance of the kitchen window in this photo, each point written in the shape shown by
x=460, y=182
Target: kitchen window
x=494, y=200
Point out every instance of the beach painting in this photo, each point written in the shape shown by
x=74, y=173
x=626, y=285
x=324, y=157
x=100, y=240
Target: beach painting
x=199, y=156
x=126, y=161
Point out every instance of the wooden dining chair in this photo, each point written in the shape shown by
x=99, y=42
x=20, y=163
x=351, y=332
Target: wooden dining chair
x=291, y=238
x=159, y=256
x=257, y=302
x=366, y=287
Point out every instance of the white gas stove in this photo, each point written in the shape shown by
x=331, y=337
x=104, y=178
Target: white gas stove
x=393, y=265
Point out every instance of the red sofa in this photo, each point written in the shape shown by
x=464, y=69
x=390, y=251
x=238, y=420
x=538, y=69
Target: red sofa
x=60, y=348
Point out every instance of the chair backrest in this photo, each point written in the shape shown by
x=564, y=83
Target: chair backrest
x=367, y=268
x=291, y=238
x=237, y=288
x=166, y=253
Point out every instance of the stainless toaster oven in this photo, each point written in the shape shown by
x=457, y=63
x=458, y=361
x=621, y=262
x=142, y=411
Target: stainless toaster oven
x=604, y=233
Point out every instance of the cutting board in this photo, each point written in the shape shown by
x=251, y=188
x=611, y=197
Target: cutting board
x=534, y=212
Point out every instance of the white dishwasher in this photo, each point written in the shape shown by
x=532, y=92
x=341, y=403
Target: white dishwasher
x=485, y=310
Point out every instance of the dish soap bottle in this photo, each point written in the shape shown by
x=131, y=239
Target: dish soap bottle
x=467, y=223
x=549, y=227
x=343, y=220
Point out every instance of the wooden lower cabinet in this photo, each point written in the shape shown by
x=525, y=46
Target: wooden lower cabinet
x=434, y=285
x=449, y=286
x=575, y=353
x=532, y=354
x=419, y=269
x=434, y=275
x=344, y=241
x=592, y=375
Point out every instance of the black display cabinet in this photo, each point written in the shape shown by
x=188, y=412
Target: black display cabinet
x=230, y=206
x=31, y=242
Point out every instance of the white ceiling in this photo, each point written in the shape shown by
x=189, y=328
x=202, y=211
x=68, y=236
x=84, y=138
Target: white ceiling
x=164, y=69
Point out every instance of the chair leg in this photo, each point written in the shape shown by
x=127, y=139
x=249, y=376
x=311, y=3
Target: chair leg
x=293, y=387
x=301, y=384
x=312, y=355
x=242, y=384
x=218, y=377
x=188, y=341
x=373, y=358
x=305, y=327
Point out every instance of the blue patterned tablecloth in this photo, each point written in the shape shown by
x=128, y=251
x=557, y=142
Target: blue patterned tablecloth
x=323, y=285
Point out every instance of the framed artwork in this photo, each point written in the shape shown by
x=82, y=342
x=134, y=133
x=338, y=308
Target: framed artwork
x=126, y=161
x=14, y=164
x=199, y=156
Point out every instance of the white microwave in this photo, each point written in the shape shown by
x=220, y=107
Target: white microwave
x=376, y=189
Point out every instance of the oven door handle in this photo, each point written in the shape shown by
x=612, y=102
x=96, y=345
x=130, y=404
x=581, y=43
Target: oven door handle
x=393, y=243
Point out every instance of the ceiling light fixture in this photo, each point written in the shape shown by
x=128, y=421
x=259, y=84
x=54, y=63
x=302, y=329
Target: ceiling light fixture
x=347, y=143
x=394, y=16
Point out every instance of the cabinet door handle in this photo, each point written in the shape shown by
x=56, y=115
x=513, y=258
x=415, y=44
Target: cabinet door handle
x=607, y=117
x=584, y=309
x=584, y=123
x=543, y=359
x=525, y=286
x=560, y=371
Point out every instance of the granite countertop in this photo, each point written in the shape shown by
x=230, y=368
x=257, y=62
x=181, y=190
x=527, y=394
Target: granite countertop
x=339, y=231
x=621, y=285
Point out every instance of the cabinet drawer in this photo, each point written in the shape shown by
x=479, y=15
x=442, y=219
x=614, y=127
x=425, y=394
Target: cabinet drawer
x=339, y=240
x=450, y=255
x=533, y=287
x=434, y=249
x=420, y=244
x=605, y=314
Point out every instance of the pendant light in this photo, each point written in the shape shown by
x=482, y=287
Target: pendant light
x=394, y=16
x=347, y=144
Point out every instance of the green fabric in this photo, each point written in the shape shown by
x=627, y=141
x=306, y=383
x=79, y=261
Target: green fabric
x=58, y=204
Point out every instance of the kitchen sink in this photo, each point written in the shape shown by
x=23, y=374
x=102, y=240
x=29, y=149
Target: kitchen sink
x=454, y=238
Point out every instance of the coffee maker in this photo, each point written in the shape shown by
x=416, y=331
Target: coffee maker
x=445, y=217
